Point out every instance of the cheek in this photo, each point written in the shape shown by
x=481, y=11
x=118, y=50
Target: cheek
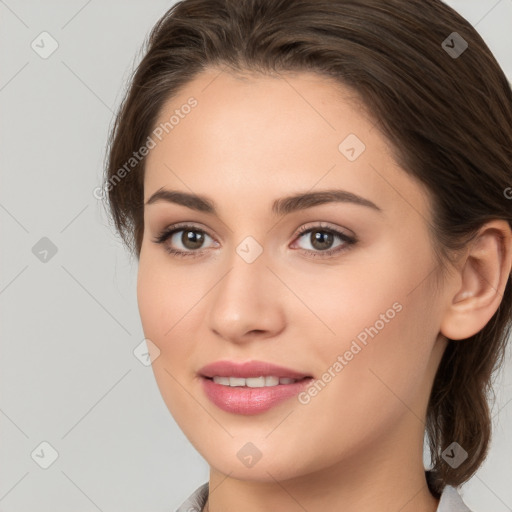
x=171, y=302
x=375, y=361
x=384, y=369
x=364, y=389
x=165, y=295
x=152, y=302
x=163, y=303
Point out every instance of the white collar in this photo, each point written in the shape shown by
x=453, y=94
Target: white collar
x=450, y=500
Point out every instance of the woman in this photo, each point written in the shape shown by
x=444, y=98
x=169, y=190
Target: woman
x=318, y=196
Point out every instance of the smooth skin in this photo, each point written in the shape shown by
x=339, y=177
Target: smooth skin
x=358, y=444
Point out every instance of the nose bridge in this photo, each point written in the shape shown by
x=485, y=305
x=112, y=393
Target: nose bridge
x=247, y=261
x=243, y=301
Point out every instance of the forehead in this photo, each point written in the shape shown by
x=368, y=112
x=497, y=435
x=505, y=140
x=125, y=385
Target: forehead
x=260, y=137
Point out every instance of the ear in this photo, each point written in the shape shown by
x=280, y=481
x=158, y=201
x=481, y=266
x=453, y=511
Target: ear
x=482, y=279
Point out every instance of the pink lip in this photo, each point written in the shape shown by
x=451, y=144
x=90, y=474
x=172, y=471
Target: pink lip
x=245, y=400
x=248, y=369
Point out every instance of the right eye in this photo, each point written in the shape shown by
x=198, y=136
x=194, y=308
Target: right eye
x=190, y=237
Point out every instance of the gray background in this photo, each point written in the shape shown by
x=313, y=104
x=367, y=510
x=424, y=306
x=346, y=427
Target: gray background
x=70, y=325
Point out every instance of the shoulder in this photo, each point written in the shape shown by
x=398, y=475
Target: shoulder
x=196, y=501
x=451, y=501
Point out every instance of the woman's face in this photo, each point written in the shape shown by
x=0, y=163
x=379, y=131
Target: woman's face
x=355, y=311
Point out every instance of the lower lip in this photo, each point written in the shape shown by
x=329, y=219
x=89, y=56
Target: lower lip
x=248, y=401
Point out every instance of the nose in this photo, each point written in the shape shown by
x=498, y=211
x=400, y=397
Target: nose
x=248, y=302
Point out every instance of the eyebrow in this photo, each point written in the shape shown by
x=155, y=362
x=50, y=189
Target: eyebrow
x=282, y=206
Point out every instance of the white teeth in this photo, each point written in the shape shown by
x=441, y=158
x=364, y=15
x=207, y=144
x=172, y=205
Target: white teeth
x=253, y=382
x=221, y=380
x=271, y=381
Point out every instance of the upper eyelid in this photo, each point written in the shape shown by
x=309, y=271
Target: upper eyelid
x=303, y=227
x=325, y=225
x=176, y=228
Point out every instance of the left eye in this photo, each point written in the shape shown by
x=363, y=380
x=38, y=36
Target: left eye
x=321, y=239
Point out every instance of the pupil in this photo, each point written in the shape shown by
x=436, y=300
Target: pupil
x=192, y=239
x=323, y=237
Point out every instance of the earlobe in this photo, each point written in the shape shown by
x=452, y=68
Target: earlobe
x=482, y=279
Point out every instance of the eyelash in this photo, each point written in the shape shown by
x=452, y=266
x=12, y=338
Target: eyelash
x=171, y=230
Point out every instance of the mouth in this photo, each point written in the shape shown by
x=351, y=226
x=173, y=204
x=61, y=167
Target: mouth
x=252, y=387
x=263, y=381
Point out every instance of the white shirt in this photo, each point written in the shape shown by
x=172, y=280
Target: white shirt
x=450, y=500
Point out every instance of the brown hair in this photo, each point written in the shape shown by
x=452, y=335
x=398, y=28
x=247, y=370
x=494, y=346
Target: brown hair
x=448, y=119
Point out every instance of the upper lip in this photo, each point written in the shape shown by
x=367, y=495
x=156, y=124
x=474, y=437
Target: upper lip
x=248, y=369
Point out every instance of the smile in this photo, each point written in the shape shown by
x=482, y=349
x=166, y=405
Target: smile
x=253, y=382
